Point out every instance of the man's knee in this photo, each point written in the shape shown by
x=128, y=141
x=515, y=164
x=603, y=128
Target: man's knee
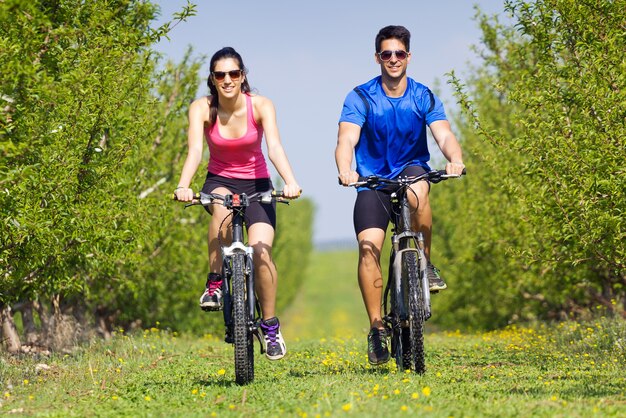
x=418, y=196
x=369, y=254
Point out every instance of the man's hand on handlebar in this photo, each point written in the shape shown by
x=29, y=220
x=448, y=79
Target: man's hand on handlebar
x=455, y=168
x=348, y=177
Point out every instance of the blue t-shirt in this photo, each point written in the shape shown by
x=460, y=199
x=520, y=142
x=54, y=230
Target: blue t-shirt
x=393, y=129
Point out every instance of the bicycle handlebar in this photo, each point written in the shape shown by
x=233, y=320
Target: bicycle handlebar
x=229, y=200
x=434, y=176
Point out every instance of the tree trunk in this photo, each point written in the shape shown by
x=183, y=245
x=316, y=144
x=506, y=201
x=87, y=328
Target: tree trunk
x=10, y=337
x=104, y=322
x=30, y=330
x=44, y=318
x=62, y=329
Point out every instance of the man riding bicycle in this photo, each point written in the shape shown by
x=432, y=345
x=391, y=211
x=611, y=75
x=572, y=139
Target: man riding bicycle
x=383, y=124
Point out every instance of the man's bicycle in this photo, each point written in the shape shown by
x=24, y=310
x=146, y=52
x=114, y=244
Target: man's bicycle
x=406, y=301
x=242, y=312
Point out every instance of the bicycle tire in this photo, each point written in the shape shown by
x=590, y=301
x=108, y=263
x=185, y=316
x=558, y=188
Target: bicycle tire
x=406, y=343
x=416, y=360
x=399, y=343
x=244, y=349
x=253, y=306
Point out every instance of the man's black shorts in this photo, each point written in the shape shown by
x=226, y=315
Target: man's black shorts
x=372, y=208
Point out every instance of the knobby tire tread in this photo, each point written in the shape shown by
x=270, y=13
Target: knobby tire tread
x=401, y=334
x=244, y=350
x=416, y=314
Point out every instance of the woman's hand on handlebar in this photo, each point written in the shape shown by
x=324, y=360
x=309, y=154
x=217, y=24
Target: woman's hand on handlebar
x=291, y=191
x=348, y=177
x=183, y=194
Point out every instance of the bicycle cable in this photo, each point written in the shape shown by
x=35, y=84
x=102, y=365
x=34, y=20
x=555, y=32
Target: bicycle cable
x=219, y=235
x=416, y=198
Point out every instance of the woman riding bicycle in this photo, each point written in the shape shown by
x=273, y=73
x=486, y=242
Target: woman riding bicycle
x=233, y=121
x=383, y=123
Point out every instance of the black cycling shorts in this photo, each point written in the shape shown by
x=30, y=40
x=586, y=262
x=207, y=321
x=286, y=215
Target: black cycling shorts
x=372, y=208
x=257, y=211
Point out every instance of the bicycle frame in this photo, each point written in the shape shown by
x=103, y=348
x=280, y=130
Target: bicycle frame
x=242, y=312
x=407, y=283
x=404, y=239
x=237, y=203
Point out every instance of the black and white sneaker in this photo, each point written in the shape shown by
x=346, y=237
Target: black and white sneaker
x=377, y=346
x=275, y=347
x=211, y=299
x=435, y=282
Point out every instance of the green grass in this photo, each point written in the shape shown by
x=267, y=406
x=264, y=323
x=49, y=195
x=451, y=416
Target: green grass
x=567, y=369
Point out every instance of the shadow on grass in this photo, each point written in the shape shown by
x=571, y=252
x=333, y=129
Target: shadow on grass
x=219, y=382
x=382, y=370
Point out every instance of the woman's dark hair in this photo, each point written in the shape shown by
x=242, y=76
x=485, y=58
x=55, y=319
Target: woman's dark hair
x=393, y=32
x=226, y=52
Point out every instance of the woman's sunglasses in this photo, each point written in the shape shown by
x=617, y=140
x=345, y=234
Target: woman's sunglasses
x=233, y=74
x=386, y=55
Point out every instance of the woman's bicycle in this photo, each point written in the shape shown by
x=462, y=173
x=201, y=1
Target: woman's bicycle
x=242, y=312
x=406, y=301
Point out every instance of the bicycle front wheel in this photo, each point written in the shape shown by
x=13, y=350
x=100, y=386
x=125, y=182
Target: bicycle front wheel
x=244, y=348
x=416, y=359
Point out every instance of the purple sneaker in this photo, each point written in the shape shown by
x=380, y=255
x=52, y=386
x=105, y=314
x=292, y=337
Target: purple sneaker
x=275, y=347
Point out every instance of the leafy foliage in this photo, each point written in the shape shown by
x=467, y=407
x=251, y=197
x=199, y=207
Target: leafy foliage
x=92, y=130
x=542, y=210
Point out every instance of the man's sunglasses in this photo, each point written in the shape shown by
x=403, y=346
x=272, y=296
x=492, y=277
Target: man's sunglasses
x=233, y=74
x=386, y=55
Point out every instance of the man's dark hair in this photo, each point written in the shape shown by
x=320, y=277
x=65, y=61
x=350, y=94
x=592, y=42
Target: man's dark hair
x=393, y=32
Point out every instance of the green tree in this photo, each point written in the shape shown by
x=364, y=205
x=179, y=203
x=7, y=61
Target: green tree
x=92, y=135
x=77, y=142
x=543, y=230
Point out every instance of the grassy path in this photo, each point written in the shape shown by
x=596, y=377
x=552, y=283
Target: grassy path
x=329, y=303
x=566, y=370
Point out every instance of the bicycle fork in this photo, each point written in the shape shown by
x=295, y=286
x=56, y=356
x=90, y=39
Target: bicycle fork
x=423, y=276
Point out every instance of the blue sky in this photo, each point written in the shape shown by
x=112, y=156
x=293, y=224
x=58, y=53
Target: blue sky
x=306, y=56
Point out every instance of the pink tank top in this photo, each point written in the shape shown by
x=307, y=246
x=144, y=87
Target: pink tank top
x=238, y=158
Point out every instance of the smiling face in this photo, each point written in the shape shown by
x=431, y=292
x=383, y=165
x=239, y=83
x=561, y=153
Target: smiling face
x=394, y=68
x=229, y=86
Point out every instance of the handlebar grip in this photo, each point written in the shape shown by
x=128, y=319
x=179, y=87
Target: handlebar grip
x=196, y=196
x=280, y=195
x=360, y=180
x=443, y=172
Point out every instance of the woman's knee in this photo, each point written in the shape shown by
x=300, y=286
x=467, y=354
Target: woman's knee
x=262, y=252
